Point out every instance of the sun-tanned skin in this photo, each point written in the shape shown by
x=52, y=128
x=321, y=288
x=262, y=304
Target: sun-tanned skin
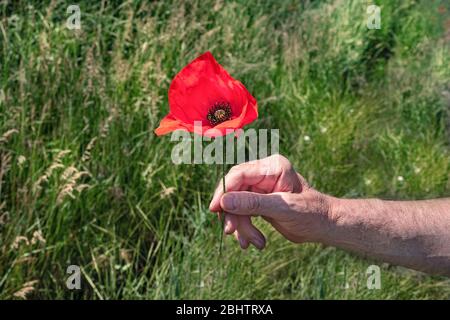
x=414, y=234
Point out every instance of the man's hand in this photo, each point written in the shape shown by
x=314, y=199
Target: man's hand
x=413, y=234
x=272, y=189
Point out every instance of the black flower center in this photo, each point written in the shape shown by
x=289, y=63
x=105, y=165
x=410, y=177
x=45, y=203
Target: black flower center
x=219, y=112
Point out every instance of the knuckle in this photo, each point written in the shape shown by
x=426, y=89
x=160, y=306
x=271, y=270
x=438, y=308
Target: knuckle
x=276, y=164
x=285, y=163
x=275, y=157
x=253, y=203
x=291, y=201
x=235, y=172
x=235, y=203
x=279, y=158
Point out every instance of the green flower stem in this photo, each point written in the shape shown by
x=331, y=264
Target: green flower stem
x=224, y=190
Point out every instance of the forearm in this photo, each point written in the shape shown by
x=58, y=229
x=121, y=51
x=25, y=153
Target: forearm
x=414, y=234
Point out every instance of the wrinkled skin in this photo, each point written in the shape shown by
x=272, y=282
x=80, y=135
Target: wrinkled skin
x=275, y=176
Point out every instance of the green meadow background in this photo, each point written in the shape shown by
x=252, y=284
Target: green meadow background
x=84, y=181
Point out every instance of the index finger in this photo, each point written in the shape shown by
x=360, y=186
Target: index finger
x=239, y=178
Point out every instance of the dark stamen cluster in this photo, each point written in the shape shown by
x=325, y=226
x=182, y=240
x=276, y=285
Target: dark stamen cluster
x=219, y=112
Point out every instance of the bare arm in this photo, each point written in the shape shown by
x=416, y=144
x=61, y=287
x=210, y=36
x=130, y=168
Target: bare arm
x=414, y=234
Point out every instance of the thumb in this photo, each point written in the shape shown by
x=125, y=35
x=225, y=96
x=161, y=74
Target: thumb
x=251, y=203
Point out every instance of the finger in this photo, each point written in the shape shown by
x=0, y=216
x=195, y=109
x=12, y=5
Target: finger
x=250, y=232
x=243, y=242
x=236, y=179
x=245, y=229
x=231, y=223
x=256, y=189
x=240, y=176
x=250, y=203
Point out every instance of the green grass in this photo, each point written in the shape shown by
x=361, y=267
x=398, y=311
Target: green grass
x=371, y=101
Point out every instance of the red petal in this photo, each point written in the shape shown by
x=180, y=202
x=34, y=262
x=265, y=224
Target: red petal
x=169, y=124
x=196, y=88
x=199, y=85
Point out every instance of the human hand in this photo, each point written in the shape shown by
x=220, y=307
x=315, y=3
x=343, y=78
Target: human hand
x=271, y=188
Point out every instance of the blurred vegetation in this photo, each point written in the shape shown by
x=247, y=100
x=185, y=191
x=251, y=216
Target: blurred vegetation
x=84, y=181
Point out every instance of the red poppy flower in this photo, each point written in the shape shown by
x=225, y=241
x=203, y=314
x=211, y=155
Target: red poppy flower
x=204, y=91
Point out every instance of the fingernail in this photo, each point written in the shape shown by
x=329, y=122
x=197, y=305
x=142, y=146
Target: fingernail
x=243, y=243
x=228, y=203
x=258, y=243
x=228, y=227
x=211, y=203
